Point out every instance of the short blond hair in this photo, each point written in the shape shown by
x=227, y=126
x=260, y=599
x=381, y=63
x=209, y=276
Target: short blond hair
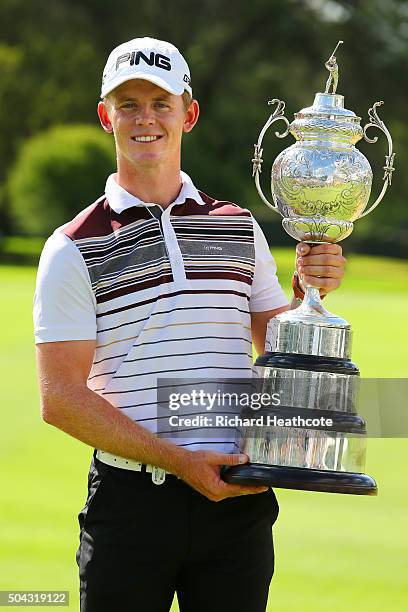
x=187, y=98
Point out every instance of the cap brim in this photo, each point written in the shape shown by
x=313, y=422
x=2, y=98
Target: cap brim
x=152, y=78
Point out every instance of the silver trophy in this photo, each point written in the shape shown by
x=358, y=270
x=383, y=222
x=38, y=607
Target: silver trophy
x=320, y=186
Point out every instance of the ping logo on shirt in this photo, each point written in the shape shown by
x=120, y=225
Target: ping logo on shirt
x=134, y=58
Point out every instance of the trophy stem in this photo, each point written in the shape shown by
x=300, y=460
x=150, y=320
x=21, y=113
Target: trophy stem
x=312, y=303
x=312, y=297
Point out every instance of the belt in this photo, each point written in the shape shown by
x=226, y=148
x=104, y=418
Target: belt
x=158, y=474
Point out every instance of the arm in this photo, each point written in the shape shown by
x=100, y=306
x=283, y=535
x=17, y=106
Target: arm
x=67, y=403
x=259, y=322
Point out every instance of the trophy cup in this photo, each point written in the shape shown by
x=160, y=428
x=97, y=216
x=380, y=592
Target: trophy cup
x=320, y=186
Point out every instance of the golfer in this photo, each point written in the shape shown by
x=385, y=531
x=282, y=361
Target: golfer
x=156, y=279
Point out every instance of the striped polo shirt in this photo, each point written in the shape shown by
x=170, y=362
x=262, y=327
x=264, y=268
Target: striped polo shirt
x=164, y=292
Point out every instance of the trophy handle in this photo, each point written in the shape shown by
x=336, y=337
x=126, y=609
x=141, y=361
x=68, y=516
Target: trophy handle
x=389, y=159
x=277, y=114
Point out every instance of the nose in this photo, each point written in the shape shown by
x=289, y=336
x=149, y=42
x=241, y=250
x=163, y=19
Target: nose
x=145, y=116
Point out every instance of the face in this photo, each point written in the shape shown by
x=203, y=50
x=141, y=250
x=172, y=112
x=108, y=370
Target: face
x=147, y=123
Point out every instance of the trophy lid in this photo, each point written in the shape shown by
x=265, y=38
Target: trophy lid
x=327, y=120
x=326, y=105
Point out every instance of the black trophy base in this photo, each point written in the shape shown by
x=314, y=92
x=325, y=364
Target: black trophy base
x=327, y=481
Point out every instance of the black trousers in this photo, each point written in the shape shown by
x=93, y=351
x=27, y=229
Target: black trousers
x=141, y=542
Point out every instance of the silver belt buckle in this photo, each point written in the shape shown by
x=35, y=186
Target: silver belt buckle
x=158, y=475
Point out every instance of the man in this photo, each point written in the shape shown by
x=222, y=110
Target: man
x=158, y=279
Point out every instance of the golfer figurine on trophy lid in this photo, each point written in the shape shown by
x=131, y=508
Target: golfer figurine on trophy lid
x=320, y=186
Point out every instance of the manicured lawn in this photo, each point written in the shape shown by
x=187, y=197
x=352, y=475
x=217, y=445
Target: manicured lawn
x=333, y=552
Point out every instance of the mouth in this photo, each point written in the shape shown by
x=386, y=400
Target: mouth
x=146, y=139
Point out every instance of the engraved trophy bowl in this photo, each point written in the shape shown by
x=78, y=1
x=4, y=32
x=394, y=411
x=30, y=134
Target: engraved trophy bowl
x=320, y=185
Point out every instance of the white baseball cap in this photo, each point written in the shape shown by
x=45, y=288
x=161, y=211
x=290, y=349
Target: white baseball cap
x=146, y=58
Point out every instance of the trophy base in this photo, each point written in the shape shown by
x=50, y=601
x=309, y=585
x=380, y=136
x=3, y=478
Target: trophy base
x=284, y=477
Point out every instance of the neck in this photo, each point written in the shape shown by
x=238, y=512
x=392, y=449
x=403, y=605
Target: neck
x=158, y=185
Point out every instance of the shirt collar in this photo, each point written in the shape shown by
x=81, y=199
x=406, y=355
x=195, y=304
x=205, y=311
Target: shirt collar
x=119, y=199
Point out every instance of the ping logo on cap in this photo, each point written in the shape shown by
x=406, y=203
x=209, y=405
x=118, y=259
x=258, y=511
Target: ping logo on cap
x=153, y=59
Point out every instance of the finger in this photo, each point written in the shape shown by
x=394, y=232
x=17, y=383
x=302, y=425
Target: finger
x=216, y=497
x=224, y=459
x=321, y=271
x=327, y=284
x=322, y=260
x=302, y=249
x=334, y=249
x=233, y=490
x=255, y=490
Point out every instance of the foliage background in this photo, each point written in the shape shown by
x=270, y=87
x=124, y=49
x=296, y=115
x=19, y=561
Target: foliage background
x=241, y=54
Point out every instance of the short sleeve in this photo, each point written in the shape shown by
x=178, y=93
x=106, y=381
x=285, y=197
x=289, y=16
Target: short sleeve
x=64, y=303
x=266, y=293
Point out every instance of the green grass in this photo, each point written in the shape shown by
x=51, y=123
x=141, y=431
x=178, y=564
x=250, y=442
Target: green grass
x=333, y=552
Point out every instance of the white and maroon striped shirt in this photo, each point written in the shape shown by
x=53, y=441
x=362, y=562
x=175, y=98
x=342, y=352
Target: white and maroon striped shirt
x=165, y=293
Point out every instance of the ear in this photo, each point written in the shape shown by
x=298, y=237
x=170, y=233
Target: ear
x=191, y=117
x=104, y=118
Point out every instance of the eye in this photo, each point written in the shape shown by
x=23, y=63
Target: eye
x=162, y=105
x=128, y=105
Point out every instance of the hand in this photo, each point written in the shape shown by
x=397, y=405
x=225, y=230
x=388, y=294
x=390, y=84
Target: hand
x=320, y=266
x=201, y=470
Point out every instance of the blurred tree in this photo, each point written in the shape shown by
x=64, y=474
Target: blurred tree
x=241, y=55
x=57, y=174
